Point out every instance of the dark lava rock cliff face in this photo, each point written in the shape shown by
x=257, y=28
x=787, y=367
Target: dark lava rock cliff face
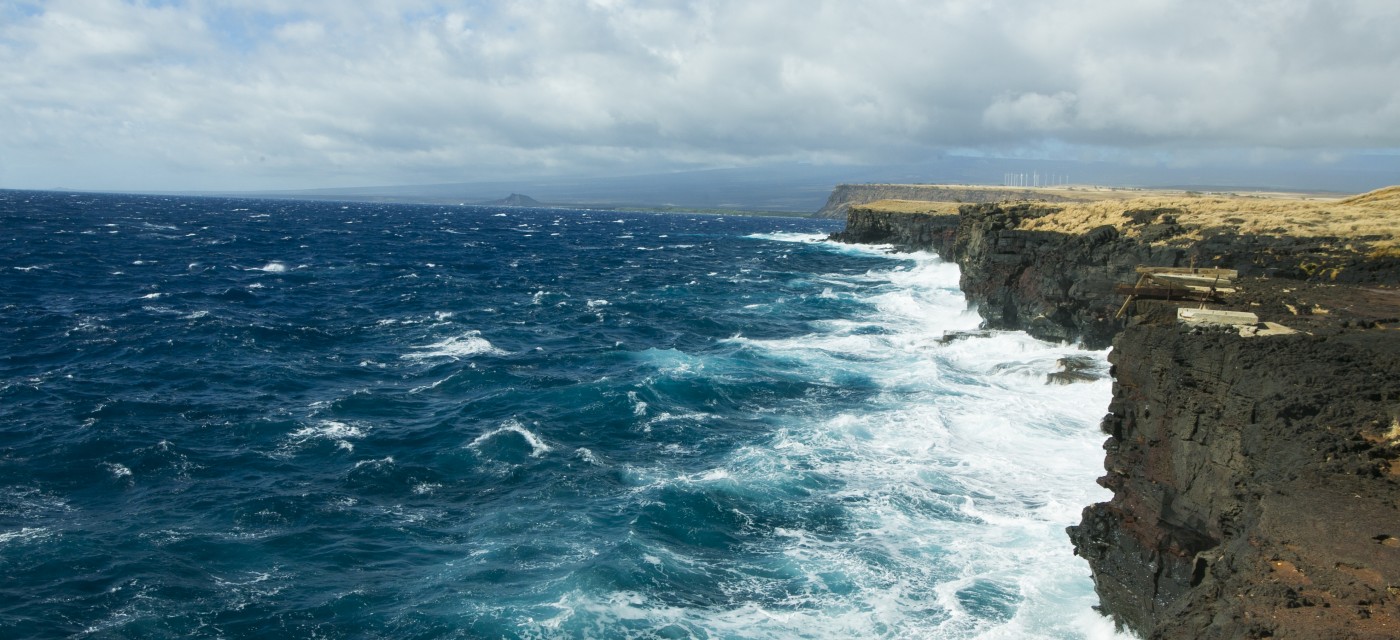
x=1256, y=481
x=1059, y=287
x=1255, y=486
x=1052, y=285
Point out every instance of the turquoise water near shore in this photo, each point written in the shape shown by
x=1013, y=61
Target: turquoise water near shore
x=251, y=418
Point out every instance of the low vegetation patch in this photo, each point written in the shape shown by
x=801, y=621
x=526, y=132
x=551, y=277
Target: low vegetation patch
x=1370, y=221
x=912, y=206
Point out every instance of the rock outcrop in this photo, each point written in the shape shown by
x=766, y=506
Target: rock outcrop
x=845, y=196
x=1256, y=487
x=515, y=200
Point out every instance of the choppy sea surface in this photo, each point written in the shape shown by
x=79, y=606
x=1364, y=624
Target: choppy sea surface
x=253, y=418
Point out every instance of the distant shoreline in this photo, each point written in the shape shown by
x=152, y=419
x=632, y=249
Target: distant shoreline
x=453, y=202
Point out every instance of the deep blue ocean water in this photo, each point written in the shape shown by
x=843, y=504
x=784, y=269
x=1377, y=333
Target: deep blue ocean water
x=254, y=418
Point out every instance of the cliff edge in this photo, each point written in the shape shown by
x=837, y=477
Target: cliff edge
x=845, y=196
x=1256, y=488
x=1254, y=485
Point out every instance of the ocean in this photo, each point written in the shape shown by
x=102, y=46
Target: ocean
x=239, y=418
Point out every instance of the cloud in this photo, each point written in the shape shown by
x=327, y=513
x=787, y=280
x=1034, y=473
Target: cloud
x=1033, y=112
x=260, y=94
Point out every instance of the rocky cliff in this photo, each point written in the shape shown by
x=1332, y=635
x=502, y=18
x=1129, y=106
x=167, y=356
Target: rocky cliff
x=845, y=196
x=1060, y=286
x=1055, y=286
x=1256, y=488
x=1255, y=485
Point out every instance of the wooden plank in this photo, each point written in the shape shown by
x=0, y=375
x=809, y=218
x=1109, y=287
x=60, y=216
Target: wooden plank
x=1212, y=316
x=1128, y=289
x=1128, y=300
x=1208, y=290
x=1153, y=292
x=1194, y=281
x=1223, y=273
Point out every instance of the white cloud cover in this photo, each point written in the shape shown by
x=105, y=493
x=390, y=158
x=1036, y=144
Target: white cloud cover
x=224, y=94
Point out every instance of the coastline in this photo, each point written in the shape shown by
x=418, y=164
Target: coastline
x=1255, y=483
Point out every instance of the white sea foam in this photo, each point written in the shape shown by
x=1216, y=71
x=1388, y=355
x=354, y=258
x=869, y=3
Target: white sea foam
x=340, y=433
x=38, y=513
x=251, y=587
x=639, y=407
x=538, y=447
x=386, y=461
x=158, y=309
x=328, y=429
x=588, y=456
x=272, y=267
x=455, y=347
x=789, y=236
x=25, y=534
x=429, y=387
x=955, y=481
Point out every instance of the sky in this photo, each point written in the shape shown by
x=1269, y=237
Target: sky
x=275, y=94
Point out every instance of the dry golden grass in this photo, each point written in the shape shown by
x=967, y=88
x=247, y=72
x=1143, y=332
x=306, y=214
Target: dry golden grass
x=1383, y=195
x=1371, y=219
x=911, y=206
x=1374, y=216
x=1088, y=193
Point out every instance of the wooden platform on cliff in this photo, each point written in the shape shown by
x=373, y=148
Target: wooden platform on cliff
x=1186, y=284
x=1227, y=274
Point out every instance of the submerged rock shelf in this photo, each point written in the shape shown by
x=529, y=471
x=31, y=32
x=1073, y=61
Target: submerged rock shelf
x=1256, y=482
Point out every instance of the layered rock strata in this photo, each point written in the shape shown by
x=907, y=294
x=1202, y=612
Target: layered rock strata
x=1256, y=488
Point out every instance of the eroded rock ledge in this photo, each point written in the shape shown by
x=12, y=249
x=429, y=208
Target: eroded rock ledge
x=1256, y=487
